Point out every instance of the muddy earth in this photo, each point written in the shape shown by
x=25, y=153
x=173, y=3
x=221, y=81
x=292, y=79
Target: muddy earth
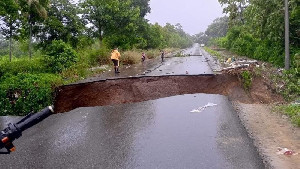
x=137, y=89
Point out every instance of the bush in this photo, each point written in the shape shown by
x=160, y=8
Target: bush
x=221, y=42
x=246, y=80
x=291, y=79
x=94, y=55
x=153, y=53
x=245, y=44
x=22, y=65
x=231, y=36
x=25, y=93
x=131, y=57
x=60, y=56
x=99, y=56
x=76, y=72
x=296, y=60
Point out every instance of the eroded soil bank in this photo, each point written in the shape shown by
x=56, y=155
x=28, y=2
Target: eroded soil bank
x=137, y=89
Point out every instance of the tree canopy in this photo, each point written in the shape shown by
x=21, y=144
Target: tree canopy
x=113, y=22
x=256, y=28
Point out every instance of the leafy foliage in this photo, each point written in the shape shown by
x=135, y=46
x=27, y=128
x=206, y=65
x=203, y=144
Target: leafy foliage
x=257, y=30
x=292, y=111
x=62, y=23
x=291, y=79
x=235, y=9
x=95, y=55
x=240, y=41
x=246, y=79
x=24, y=93
x=22, y=65
x=60, y=56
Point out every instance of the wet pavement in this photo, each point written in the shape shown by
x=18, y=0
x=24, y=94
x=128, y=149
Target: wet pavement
x=195, y=64
x=161, y=133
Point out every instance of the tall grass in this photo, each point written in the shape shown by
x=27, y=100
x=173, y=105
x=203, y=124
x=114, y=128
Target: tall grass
x=131, y=57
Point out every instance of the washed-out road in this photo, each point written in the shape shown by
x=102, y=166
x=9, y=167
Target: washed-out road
x=183, y=131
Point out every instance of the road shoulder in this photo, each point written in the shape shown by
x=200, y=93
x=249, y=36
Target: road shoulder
x=269, y=131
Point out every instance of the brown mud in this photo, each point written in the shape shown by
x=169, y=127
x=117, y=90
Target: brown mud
x=137, y=89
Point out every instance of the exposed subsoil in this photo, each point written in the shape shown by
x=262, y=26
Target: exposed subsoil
x=137, y=89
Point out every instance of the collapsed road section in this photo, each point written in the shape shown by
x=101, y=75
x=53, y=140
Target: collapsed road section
x=137, y=89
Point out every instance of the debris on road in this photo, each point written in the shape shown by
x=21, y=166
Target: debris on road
x=200, y=109
x=242, y=63
x=285, y=151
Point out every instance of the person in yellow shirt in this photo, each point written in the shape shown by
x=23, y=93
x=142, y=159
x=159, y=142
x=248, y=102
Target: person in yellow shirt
x=115, y=57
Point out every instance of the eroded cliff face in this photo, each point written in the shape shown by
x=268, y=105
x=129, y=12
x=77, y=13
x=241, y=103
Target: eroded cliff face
x=137, y=89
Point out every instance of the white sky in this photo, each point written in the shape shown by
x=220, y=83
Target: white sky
x=193, y=15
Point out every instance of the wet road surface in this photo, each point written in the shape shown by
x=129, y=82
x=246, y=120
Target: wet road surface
x=160, y=133
x=195, y=64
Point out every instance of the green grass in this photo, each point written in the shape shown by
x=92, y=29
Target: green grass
x=293, y=111
x=214, y=53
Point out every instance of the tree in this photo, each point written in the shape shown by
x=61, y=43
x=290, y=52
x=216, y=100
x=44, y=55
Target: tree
x=261, y=34
x=154, y=37
x=35, y=11
x=10, y=17
x=294, y=24
x=218, y=28
x=99, y=14
x=235, y=9
x=62, y=23
x=265, y=20
x=143, y=6
x=116, y=20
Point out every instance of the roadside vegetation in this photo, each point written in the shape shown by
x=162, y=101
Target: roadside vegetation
x=44, y=44
x=256, y=30
x=292, y=111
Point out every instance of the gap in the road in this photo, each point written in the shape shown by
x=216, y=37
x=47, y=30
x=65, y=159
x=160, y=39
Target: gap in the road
x=138, y=89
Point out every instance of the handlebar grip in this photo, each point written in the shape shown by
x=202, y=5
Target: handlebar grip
x=14, y=131
x=33, y=119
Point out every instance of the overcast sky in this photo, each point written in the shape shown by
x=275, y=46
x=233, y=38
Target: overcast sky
x=193, y=15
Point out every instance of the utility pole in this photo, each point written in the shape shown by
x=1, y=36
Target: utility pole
x=287, y=37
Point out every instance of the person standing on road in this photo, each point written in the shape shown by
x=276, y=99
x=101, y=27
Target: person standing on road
x=115, y=57
x=162, y=55
x=143, y=57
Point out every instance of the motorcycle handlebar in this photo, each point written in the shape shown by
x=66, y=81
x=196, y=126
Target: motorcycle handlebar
x=14, y=131
x=32, y=119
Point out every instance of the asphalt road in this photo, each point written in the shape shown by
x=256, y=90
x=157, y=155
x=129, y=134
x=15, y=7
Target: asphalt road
x=161, y=133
